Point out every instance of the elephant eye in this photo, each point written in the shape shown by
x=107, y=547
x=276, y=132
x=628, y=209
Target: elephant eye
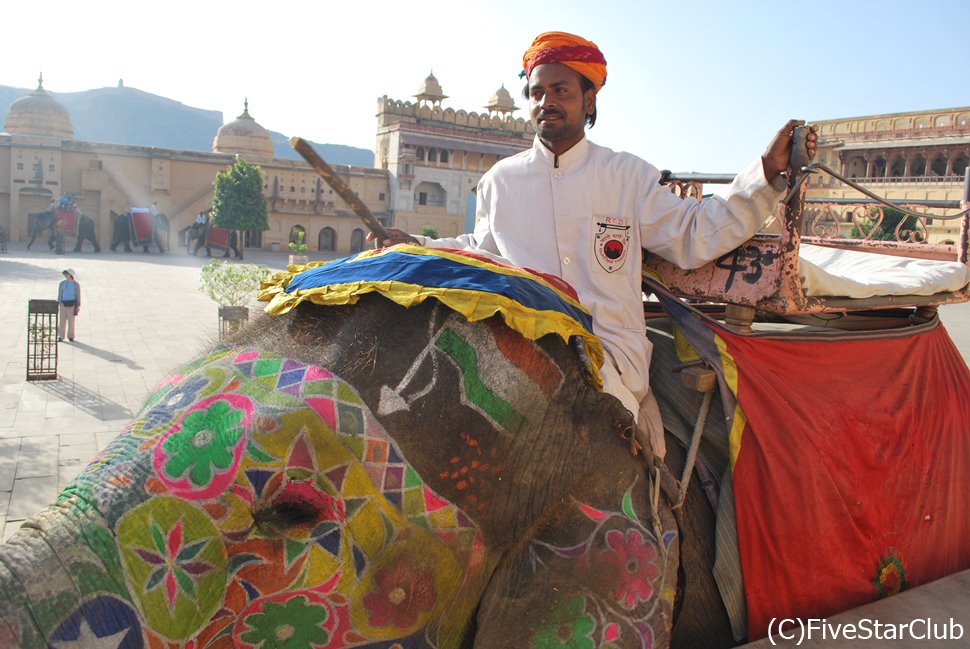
x=298, y=504
x=286, y=515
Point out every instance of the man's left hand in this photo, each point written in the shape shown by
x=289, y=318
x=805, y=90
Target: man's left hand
x=777, y=156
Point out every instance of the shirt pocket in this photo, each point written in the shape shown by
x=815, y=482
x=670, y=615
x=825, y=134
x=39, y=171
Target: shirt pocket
x=610, y=238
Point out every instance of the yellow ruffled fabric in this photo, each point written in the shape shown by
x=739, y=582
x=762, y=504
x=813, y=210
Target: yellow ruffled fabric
x=474, y=305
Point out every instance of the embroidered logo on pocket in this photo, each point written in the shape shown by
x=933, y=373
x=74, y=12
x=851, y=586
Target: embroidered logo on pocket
x=611, y=242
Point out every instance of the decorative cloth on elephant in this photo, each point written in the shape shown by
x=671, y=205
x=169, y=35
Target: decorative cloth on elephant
x=68, y=220
x=142, y=222
x=572, y=51
x=819, y=457
x=532, y=303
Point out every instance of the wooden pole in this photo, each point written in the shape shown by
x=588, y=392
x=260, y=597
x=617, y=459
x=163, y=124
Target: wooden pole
x=326, y=172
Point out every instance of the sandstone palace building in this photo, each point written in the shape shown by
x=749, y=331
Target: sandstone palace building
x=914, y=156
x=428, y=161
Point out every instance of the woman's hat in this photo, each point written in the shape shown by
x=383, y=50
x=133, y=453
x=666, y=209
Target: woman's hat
x=70, y=271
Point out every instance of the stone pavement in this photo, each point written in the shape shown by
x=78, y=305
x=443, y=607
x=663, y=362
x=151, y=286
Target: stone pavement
x=141, y=316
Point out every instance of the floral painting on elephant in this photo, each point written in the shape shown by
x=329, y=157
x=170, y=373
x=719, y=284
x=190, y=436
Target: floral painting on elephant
x=377, y=556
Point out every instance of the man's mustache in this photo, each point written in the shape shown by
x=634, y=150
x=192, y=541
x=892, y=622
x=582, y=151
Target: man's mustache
x=547, y=113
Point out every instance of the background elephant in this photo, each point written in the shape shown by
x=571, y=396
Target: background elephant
x=122, y=233
x=47, y=221
x=198, y=233
x=330, y=478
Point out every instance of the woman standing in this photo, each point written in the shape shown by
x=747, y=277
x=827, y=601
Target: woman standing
x=68, y=304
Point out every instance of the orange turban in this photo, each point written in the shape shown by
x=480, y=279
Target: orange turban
x=573, y=51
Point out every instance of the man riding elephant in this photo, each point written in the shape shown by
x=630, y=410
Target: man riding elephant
x=208, y=236
x=593, y=211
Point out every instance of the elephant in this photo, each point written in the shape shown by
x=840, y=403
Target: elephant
x=123, y=235
x=324, y=479
x=47, y=220
x=369, y=464
x=198, y=232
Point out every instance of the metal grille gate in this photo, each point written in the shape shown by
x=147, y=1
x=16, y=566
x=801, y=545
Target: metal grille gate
x=42, y=340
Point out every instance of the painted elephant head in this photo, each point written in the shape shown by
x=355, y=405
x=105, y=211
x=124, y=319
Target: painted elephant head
x=362, y=475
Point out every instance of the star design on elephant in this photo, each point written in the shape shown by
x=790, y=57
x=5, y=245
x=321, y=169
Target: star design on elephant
x=176, y=568
x=89, y=639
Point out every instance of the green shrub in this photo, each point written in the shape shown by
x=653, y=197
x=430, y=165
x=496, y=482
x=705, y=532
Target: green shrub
x=230, y=284
x=298, y=247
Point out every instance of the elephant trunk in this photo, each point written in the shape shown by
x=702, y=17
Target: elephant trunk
x=57, y=574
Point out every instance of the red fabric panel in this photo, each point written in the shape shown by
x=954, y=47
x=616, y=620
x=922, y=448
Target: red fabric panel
x=217, y=237
x=853, y=475
x=67, y=220
x=141, y=226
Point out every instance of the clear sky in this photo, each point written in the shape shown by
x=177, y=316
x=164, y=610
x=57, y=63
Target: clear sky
x=694, y=85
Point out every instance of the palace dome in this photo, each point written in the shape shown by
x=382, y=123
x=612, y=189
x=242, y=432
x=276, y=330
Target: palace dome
x=244, y=136
x=39, y=114
x=431, y=90
x=501, y=101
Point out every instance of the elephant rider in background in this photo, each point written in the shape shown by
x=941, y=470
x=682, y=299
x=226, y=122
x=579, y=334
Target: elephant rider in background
x=585, y=213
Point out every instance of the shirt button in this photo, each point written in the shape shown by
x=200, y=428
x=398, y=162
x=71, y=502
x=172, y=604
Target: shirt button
x=566, y=261
x=557, y=175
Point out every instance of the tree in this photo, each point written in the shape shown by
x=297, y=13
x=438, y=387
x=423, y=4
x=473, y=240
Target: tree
x=429, y=231
x=238, y=202
x=887, y=229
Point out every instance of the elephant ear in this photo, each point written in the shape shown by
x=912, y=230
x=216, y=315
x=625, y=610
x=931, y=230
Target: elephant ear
x=588, y=575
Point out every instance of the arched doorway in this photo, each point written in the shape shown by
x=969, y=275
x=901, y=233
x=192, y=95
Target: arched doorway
x=327, y=240
x=295, y=232
x=357, y=240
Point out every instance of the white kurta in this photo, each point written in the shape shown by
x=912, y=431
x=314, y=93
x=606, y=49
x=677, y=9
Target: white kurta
x=586, y=218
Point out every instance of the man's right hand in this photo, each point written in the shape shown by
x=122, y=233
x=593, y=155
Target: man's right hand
x=396, y=236
x=776, y=157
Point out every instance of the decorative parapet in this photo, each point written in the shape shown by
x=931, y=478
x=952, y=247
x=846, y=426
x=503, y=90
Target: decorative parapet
x=946, y=122
x=409, y=111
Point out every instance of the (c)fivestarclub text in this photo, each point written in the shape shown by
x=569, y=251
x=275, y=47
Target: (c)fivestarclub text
x=799, y=630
